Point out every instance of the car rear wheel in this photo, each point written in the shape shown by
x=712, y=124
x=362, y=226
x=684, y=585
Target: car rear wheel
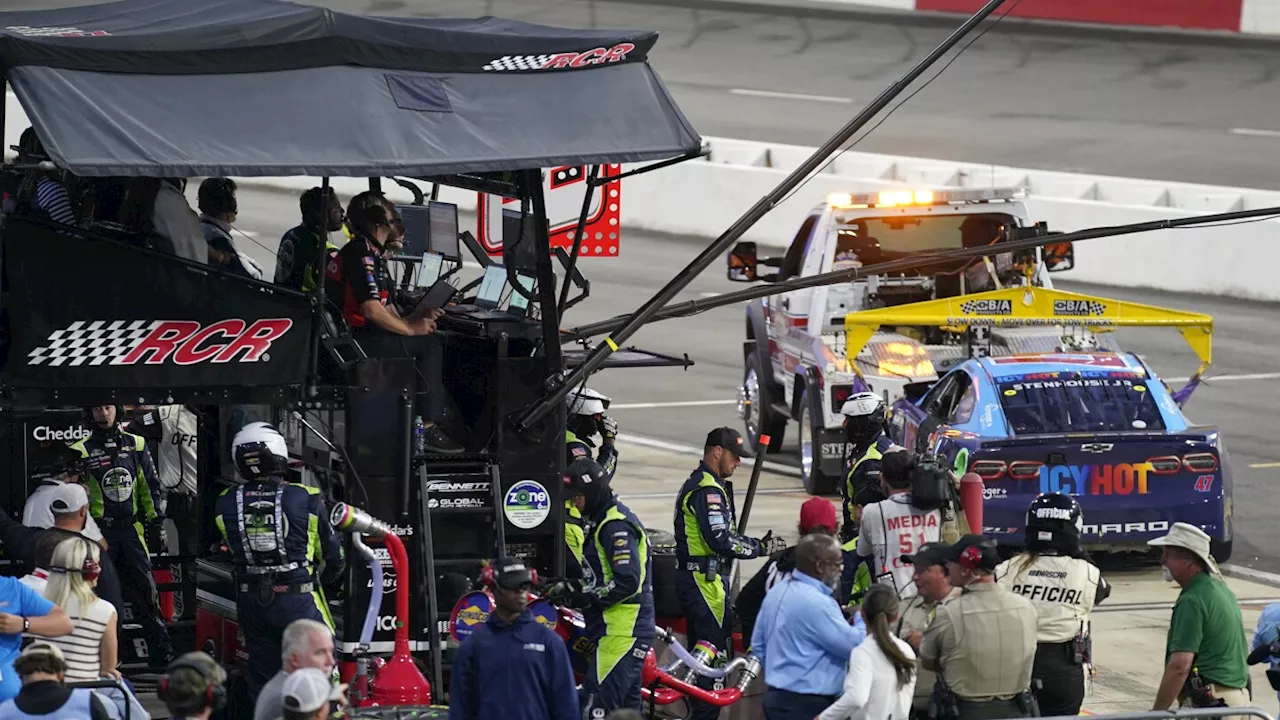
x=755, y=407
x=811, y=475
x=1220, y=549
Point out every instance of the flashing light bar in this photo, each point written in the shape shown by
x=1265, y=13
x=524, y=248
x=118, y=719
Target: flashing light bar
x=901, y=198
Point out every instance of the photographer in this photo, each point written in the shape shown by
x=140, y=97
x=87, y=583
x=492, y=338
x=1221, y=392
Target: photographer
x=901, y=523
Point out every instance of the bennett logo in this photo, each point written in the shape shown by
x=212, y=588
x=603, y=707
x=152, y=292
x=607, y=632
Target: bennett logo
x=987, y=307
x=446, y=486
x=1078, y=308
x=560, y=61
x=153, y=342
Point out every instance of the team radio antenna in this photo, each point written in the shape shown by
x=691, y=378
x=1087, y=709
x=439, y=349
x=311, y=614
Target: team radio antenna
x=835, y=277
x=559, y=386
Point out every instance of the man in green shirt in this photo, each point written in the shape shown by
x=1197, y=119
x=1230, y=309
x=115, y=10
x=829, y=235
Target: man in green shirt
x=1206, y=648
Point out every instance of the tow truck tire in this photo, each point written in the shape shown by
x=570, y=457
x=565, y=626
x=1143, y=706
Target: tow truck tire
x=1220, y=549
x=760, y=418
x=811, y=475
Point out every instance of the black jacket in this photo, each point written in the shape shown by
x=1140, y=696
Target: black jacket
x=752, y=595
x=35, y=546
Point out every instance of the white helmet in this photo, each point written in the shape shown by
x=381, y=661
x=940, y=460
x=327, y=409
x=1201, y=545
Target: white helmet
x=260, y=451
x=586, y=402
x=863, y=404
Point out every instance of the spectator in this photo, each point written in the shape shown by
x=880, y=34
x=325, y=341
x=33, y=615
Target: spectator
x=91, y=650
x=895, y=527
x=1266, y=641
x=933, y=587
x=801, y=638
x=305, y=644
x=817, y=515
x=43, y=669
x=882, y=674
x=1206, y=651
x=300, y=247
x=216, y=199
x=157, y=209
x=307, y=695
x=63, y=468
x=193, y=687
x=51, y=196
x=512, y=667
x=26, y=612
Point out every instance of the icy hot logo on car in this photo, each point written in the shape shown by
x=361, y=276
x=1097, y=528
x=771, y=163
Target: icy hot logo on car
x=154, y=342
x=560, y=61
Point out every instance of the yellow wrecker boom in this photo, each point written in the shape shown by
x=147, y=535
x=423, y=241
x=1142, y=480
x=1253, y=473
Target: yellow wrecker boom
x=1032, y=306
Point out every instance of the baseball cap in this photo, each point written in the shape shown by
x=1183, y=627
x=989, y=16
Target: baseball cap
x=990, y=558
x=43, y=648
x=729, y=439
x=510, y=573
x=307, y=690
x=817, y=511
x=67, y=498
x=930, y=553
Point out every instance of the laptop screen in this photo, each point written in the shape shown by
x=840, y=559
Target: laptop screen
x=429, y=269
x=491, y=287
x=519, y=303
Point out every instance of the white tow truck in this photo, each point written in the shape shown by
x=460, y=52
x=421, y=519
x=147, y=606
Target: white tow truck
x=794, y=360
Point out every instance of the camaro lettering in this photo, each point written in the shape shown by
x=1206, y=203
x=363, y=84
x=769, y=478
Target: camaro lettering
x=1121, y=479
x=1151, y=527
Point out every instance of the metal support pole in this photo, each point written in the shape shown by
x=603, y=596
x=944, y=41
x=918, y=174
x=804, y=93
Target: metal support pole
x=317, y=293
x=539, y=409
x=546, y=276
x=577, y=238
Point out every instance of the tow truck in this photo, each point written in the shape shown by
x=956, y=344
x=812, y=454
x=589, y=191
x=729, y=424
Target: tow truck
x=794, y=363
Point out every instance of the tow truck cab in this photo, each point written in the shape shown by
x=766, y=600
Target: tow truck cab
x=795, y=365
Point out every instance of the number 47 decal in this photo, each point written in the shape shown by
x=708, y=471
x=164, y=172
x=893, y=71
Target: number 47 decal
x=1204, y=483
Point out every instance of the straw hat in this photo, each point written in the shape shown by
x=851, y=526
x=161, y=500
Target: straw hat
x=1189, y=537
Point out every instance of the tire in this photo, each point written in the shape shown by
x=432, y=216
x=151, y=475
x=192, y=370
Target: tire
x=755, y=407
x=815, y=482
x=1221, y=549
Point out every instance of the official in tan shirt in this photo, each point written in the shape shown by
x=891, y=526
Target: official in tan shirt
x=933, y=587
x=982, y=644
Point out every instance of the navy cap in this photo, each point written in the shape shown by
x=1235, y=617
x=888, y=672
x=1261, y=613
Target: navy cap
x=731, y=440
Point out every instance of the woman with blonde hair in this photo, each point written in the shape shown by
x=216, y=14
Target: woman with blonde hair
x=92, y=648
x=881, y=680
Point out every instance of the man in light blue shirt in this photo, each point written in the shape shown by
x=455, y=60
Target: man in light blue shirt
x=802, y=638
x=1267, y=635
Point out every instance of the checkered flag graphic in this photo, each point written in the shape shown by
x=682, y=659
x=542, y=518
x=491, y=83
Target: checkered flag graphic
x=1097, y=308
x=92, y=343
x=968, y=307
x=518, y=62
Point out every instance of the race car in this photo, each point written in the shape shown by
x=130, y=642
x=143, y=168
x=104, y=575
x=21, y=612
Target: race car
x=1100, y=426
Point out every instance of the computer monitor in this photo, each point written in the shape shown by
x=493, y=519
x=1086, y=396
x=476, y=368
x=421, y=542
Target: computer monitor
x=429, y=269
x=519, y=304
x=519, y=245
x=491, y=287
x=415, y=220
x=442, y=230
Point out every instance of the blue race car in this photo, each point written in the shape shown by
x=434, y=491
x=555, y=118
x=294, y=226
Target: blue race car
x=1099, y=426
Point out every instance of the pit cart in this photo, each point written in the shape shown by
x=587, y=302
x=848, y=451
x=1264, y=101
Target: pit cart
x=98, y=316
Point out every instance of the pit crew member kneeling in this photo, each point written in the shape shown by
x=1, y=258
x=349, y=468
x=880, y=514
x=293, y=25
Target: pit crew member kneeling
x=277, y=533
x=618, y=604
x=360, y=281
x=124, y=494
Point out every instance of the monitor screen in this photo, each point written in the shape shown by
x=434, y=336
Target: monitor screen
x=518, y=301
x=414, y=218
x=519, y=245
x=442, y=233
x=429, y=269
x=491, y=287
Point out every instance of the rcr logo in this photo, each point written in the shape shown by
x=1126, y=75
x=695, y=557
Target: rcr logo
x=41, y=433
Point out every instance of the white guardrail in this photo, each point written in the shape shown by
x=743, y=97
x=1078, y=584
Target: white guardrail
x=703, y=197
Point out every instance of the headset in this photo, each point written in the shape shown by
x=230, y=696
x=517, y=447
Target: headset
x=90, y=570
x=215, y=693
x=217, y=195
x=489, y=578
x=368, y=208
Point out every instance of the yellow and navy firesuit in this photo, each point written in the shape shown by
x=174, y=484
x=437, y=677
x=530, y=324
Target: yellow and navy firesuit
x=707, y=541
x=864, y=471
x=575, y=526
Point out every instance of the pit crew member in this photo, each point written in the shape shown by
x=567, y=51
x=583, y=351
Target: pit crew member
x=895, y=527
x=300, y=247
x=618, y=604
x=707, y=542
x=864, y=421
x=283, y=548
x=1055, y=574
x=362, y=284
x=124, y=494
x=586, y=417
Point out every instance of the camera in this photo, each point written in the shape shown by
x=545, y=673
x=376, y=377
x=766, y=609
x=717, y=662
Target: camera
x=931, y=487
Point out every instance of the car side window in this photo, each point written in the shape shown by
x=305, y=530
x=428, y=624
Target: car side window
x=968, y=392
x=793, y=261
x=936, y=402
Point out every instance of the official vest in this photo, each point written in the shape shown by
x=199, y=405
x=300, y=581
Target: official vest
x=178, y=449
x=1061, y=588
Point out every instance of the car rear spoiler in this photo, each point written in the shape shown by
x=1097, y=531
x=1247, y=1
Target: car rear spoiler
x=1035, y=306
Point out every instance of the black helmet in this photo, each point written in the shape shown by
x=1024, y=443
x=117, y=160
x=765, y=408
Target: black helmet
x=586, y=477
x=1053, y=518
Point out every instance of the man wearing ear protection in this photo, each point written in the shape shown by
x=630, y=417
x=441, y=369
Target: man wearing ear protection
x=986, y=628
x=193, y=687
x=217, y=202
x=296, y=260
x=618, y=600
x=586, y=417
x=124, y=498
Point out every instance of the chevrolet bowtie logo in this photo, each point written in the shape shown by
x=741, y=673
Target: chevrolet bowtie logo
x=1096, y=447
